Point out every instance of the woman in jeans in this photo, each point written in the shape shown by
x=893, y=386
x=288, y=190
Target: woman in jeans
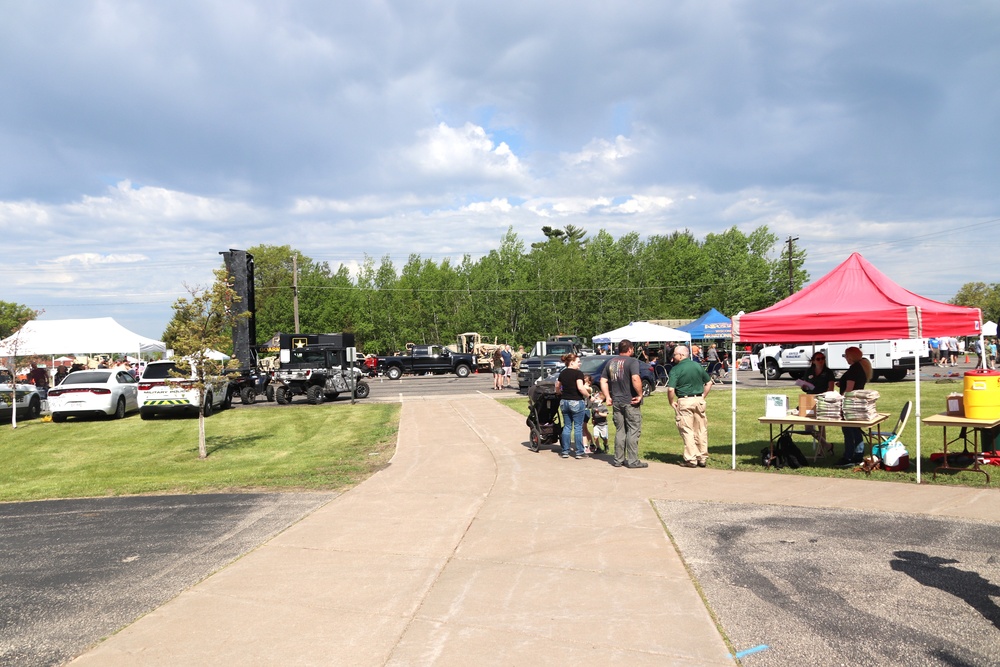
x=853, y=379
x=573, y=404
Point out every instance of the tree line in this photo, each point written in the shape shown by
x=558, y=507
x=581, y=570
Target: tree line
x=568, y=283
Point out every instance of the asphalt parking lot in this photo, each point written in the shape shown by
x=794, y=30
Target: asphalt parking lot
x=74, y=571
x=804, y=586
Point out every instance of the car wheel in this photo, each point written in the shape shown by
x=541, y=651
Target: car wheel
x=208, y=405
x=248, y=396
x=462, y=371
x=394, y=372
x=362, y=390
x=647, y=387
x=282, y=396
x=58, y=417
x=34, y=408
x=227, y=402
x=120, y=409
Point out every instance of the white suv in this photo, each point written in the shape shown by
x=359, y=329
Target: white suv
x=161, y=391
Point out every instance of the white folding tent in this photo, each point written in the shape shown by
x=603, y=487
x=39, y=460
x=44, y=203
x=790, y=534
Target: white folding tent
x=644, y=332
x=85, y=336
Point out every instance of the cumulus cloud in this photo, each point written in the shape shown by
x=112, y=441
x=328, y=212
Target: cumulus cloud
x=391, y=128
x=464, y=152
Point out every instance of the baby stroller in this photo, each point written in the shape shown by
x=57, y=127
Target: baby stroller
x=543, y=414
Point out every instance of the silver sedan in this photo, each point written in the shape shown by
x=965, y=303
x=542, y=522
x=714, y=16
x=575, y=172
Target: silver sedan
x=110, y=392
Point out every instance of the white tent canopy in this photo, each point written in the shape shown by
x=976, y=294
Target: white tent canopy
x=93, y=335
x=644, y=332
x=990, y=329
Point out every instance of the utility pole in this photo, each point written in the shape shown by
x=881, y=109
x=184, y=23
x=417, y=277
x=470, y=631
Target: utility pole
x=295, y=289
x=791, y=288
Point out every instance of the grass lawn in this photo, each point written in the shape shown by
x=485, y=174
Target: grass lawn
x=661, y=442
x=319, y=447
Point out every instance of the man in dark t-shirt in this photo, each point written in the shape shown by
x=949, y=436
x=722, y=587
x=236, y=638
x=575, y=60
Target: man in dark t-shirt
x=622, y=389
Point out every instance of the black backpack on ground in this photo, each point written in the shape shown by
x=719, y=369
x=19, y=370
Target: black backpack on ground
x=786, y=453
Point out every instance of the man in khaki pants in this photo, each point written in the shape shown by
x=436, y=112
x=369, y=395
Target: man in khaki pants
x=688, y=386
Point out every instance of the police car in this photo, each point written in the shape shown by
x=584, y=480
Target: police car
x=27, y=399
x=161, y=391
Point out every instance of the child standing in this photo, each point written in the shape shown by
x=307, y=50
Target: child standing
x=599, y=414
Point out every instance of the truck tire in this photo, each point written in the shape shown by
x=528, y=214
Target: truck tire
x=895, y=375
x=269, y=393
x=282, y=396
x=362, y=390
x=314, y=395
x=227, y=402
x=771, y=370
x=208, y=405
x=248, y=396
x=462, y=371
x=394, y=372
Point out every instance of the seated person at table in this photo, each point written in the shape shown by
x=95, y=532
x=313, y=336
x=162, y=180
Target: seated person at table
x=854, y=378
x=817, y=380
x=819, y=376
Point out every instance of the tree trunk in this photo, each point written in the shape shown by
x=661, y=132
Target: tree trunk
x=202, y=449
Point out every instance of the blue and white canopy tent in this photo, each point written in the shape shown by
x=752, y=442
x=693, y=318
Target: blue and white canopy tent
x=709, y=326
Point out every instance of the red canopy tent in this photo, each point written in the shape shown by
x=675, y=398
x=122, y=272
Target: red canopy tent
x=854, y=302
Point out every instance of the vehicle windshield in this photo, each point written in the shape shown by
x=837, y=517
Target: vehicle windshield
x=87, y=377
x=156, y=372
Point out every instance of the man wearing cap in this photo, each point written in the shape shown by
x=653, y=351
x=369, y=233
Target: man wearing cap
x=687, y=388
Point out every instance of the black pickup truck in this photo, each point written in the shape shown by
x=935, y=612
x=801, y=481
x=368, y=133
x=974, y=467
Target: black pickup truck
x=427, y=359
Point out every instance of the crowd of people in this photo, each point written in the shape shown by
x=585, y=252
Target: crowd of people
x=621, y=390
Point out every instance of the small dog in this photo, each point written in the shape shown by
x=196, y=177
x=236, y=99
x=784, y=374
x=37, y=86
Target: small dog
x=868, y=464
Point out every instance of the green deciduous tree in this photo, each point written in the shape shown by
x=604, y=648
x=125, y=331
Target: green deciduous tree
x=13, y=316
x=985, y=296
x=203, y=321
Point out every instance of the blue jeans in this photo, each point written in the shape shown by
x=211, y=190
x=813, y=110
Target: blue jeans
x=573, y=412
x=854, y=444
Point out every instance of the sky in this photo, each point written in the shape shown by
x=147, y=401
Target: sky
x=140, y=139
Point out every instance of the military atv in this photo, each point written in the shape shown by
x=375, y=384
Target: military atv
x=317, y=370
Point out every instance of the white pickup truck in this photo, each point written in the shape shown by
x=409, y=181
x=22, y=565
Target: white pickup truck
x=890, y=359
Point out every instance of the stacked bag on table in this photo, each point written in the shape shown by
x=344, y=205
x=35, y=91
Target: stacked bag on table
x=860, y=405
x=829, y=405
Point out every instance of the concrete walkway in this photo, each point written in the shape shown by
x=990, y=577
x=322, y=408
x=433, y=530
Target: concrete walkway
x=471, y=549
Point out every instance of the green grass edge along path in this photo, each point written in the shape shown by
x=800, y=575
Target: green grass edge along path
x=270, y=449
x=661, y=442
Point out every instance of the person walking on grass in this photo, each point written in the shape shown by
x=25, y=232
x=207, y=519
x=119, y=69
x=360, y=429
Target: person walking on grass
x=687, y=388
x=621, y=386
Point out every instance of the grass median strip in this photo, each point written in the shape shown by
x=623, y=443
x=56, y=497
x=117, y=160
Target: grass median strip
x=661, y=442
x=309, y=448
